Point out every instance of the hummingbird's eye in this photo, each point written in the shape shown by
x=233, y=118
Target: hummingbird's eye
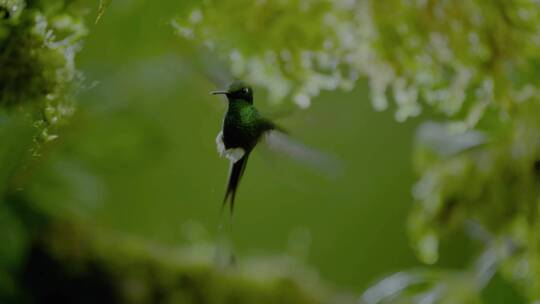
x=246, y=90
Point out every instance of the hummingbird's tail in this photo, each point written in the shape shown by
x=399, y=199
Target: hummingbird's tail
x=236, y=172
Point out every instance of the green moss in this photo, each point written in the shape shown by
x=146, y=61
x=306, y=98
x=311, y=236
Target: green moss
x=83, y=263
x=38, y=44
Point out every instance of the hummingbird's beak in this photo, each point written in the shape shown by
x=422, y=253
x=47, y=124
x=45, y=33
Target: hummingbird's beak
x=219, y=92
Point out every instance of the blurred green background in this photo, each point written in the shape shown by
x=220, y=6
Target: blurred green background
x=140, y=155
x=111, y=185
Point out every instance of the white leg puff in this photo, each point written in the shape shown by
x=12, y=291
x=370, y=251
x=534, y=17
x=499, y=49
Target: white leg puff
x=235, y=154
x=220, y=145
x=232, y=154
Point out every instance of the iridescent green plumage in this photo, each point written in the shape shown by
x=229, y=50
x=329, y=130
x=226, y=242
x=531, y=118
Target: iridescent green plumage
x=243, y=127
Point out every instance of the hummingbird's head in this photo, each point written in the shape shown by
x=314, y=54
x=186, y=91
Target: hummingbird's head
x=237, y=91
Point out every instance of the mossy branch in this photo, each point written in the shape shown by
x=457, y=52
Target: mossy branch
x=70, y=262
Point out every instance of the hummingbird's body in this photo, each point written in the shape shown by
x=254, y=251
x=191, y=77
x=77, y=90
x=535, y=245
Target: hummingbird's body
x=243, y=126
x=242, y=129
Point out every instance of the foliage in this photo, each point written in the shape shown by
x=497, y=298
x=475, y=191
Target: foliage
x=38, y=43
x=472, y=63
x=443, y=53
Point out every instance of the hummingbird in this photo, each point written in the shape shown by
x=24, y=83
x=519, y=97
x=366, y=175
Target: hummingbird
x=244, y=127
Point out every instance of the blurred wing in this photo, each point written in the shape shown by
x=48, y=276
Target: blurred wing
x=279, y=142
